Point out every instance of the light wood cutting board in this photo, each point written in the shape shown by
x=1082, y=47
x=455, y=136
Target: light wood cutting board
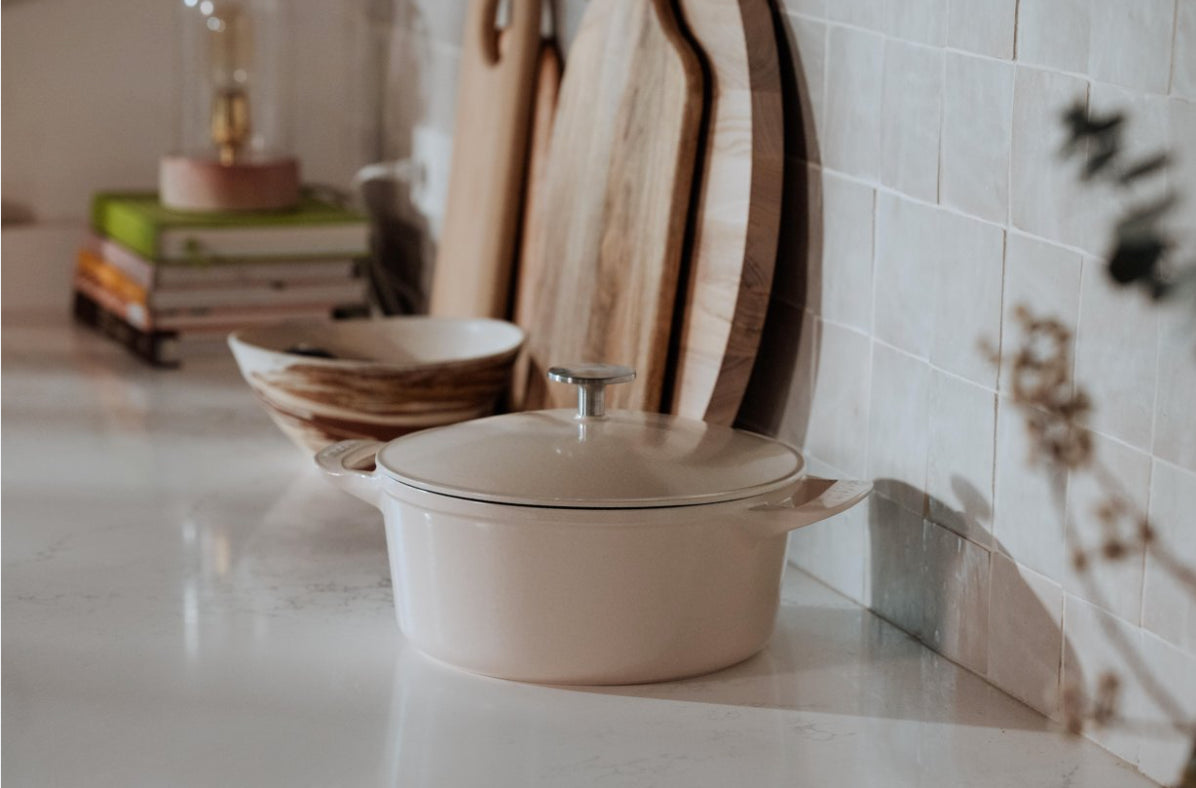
x=474, y=261
x=738, y=215
x=530, y=268
x=611, y=223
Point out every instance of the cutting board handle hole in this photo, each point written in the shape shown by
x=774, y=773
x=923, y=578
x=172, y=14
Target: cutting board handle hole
x=489, y=28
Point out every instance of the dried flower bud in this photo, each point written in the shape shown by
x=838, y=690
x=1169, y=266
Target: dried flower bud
x=1113, y=550
x=1079, y=560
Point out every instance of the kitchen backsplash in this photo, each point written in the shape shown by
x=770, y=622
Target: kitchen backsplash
x=928, y=165
x=925, y=198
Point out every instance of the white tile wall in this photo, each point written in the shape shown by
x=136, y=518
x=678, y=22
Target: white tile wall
x=955, y=596
x=1160, y=754
x=1008, y=223
x=1053, y=33
x=838, y=428
x=808, y=54
x=911, y=111
x=854, y=81
x=1029, y=500
x=1130, y=43
x=924, y=21
x=907, y=233
x=959, y=467
x=897, y=424
x=1115, y=356
x=1114, y=585
x=977, y=126
x=846, y=287
x=1174, y=438
x=1168, y=607
x=985, y=27
x=1043, y=189
x=871, y=14
x=1025, y=626
x=967, y=257
x=1183, y=65
x=1045, y=279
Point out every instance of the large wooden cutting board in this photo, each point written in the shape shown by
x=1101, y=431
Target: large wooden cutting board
x=474, y=261
x=611, y=222
x=738, y=215
x=530, y=268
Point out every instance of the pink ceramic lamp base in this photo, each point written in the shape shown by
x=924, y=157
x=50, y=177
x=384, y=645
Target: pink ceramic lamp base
x=194, y=184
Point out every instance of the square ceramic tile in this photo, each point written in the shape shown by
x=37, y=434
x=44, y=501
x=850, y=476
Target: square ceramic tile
x=1183, y=59
x=1115, y=356
x=1115, y=585
x=1147, y=133
x=854, y=80
x=1025, y=634
x=1168, y=607
x=848, y=212
x=985, y=27
x=896, y=559
x=1029, y=500
x=1089, y=652
x=1182, y=117
x=956, y=584
x=967, y=273
x=977, y=127
x=1045, y=279
x=897, y=422
x=795, y=405
x=904, y=269
x=959, y=468
x=835, y=550
x=1162, y=756
x=838, y=426
x=807, y=50
x=913, y=87
x=923, y=21
x=1053, y=33
x=862, y=13
x=1045, y=197
x=1174, y=411
x=1130, y=43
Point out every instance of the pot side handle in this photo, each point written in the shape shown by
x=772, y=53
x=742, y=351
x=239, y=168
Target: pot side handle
x=340, y=463
x=812, y=501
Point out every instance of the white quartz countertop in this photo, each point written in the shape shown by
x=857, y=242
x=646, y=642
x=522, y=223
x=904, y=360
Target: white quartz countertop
x=186, y=602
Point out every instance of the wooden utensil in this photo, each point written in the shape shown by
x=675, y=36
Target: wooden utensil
x=611, y=224
x=472, y=277
x=738, y=215
x=530, y=267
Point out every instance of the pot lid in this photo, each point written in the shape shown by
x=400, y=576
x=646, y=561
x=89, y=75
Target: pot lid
x=589, y=458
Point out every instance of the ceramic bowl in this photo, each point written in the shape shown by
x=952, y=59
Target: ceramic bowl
x=326, y=381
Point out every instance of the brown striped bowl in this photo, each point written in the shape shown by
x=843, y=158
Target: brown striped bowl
x=387, y=377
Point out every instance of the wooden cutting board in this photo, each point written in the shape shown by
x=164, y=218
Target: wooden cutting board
x=472, y=277
x=530, y=267
x=611, y=223
x=738, y=215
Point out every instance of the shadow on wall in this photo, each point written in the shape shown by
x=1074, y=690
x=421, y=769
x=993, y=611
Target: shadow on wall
x=799, y=256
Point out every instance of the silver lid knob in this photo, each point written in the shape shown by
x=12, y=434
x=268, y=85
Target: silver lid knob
x=591, y=381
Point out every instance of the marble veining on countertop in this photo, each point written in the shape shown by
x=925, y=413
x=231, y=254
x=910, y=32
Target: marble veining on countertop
x=187, y=602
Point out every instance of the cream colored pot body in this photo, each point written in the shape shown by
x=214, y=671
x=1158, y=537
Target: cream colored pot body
x=585, y=596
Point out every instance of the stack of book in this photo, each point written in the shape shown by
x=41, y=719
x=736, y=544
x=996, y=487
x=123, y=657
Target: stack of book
x=158, y=280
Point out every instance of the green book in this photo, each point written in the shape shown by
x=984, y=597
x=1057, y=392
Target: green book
x=315, y=228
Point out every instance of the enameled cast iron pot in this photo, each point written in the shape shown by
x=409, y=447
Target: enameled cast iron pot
x=587, y=547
